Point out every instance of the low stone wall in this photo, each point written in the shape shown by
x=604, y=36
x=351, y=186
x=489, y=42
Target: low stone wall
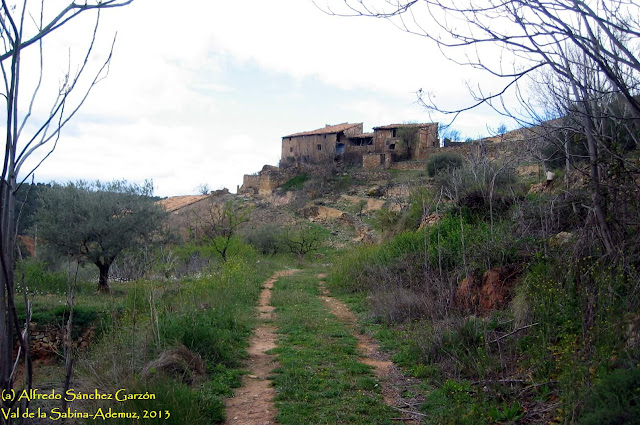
x=376, y=160
x=409, y=165
x=270, y=177
x=47, y=340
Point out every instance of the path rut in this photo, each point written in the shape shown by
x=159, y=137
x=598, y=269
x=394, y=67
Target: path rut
x=252, y=404
x=393, y=382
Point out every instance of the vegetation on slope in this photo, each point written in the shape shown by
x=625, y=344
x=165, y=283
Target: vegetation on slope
x=561, y=348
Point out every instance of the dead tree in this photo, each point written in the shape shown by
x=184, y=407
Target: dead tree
x=590, y=49
x=24, y=28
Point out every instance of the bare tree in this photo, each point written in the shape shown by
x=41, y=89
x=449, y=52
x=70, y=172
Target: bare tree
x=219, y=223
x=588, y=47
x=302, y=240
x=24, y=27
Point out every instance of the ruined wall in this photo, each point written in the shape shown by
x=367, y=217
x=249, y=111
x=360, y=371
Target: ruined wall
x=267, y=180
x=250, y=184
x=428, y=139
x=385, y=141
x=314, y=148
x=409, y=165
x=376, y=160
x=380, y=138
x=262, y=184
x=354, y=131
x=47, y=340
x=353, y=155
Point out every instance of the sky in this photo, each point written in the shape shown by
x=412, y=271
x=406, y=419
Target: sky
x=201, y=92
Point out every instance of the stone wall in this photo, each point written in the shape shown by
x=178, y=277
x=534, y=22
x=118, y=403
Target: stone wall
x=312, y=148
x=376, y=160
x=47, y=340
x=408, y=165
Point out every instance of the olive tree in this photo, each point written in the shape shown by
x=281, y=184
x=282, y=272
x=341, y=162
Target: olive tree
x=32, y=127
x=95, y=222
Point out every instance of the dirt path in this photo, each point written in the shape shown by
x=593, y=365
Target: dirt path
x=252, y=404
x=394, y=383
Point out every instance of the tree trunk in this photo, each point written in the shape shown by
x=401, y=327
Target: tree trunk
x=103, y=281
x=6, y=278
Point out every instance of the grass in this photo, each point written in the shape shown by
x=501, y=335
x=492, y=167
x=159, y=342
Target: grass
x=320, y=379
x=456, y=347
x=295, y=182
x=212, y=316
x=564, y=350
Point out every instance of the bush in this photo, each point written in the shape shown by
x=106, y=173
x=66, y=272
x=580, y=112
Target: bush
x=40, y=280
x=615, y=399
x=303, y=240
x=443, y=161
x=266, y=240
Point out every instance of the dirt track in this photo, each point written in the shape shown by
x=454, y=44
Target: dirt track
x=392, y=381
x=252, y=404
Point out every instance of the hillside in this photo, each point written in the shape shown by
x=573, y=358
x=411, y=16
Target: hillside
x=464, y=289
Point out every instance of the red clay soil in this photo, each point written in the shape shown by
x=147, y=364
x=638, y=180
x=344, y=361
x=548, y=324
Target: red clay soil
x=252, y=404
x=393, y=382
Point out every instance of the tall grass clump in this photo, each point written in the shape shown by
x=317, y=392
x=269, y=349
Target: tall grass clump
x=415, y=274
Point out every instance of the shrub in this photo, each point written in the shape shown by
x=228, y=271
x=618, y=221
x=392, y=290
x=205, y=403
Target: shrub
x=303, y=240
x=443, y=161
x=40, y=280
x=615, y=399
x=266, y=240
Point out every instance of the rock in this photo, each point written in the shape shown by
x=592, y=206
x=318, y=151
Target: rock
x=495, y=290
x=466, y=296
x=560, y=239
x=375, y=192
x=430, y=220
x=490, y=293
x=537, y=188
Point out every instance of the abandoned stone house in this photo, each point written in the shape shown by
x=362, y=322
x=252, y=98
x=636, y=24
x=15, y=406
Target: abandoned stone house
x=320, y=145
x=410, y=141
x=346, y=142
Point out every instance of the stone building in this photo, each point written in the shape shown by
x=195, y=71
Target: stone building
x=347, y=143
x=406, y=141
x=320, y=145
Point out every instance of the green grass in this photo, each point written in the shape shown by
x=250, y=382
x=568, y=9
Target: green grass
x=447, y=401
x=212, y=316
x=296, y=182
x=320, y=379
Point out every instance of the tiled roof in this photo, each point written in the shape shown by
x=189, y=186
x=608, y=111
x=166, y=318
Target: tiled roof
x=330, y=129
x=361, y=136
x=392, y=126
x=175, y=203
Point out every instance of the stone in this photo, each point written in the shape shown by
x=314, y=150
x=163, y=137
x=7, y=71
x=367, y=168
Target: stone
x=495, y=290
x=560, y=239
x=466, y=296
